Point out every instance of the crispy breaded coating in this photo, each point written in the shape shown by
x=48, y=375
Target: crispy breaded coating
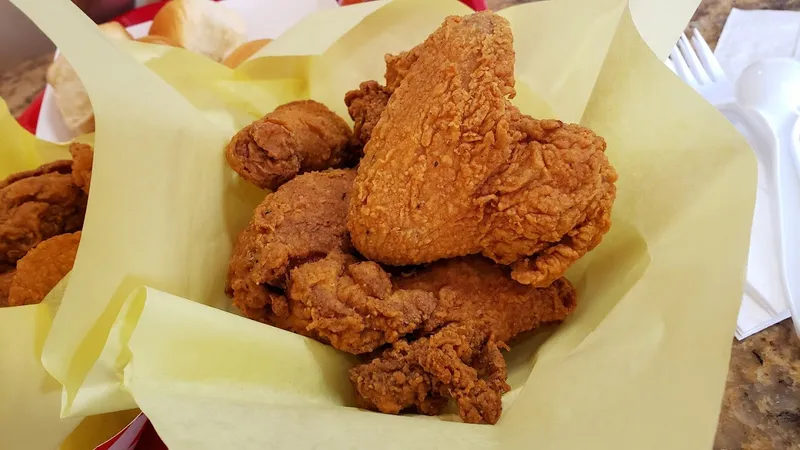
x=453, y=169
x=295, y=138
x=42, y=268
x=351, y=305
x=290, y=269
x=82, y=159
x=302, y=221
x=365, y=106
x=37, y=205
x=480, y=309
x=457, y=362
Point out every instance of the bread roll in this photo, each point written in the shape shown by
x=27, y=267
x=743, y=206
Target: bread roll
x=244, y=51
x=115, y=30
x=160, y=40
x=200, y=26
x=71, y=97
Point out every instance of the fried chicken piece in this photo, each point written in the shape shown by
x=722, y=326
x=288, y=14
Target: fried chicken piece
x=453, y=169
x=551, y=204
x=290, y=268
x=37, y=205
x=82, y=159
x=365, y=106
x=42, y=268
x=458, y=362
x=349, y=304
x=480, y=308
x=304, y=220
x=297, y=137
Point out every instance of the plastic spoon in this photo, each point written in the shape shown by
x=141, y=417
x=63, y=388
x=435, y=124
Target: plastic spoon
x=768, y=92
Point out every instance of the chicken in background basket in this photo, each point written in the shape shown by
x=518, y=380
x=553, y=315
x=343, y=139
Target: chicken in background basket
x=41, y=215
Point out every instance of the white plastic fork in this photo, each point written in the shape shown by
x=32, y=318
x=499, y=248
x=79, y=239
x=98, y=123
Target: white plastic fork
x=694, y=62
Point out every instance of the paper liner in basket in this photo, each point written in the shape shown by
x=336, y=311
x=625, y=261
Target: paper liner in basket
x=644, y=355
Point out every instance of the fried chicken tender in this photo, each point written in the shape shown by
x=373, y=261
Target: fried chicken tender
x=304, y=220
x=291, y=269
x=42, y=268
x=349, y=304
x=480, y=309
x=37, y=205
x=82, y=159
x=365, y=106
x=297, y=137
x=453, y=169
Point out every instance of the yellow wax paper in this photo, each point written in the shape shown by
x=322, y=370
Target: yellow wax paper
x=641, y=363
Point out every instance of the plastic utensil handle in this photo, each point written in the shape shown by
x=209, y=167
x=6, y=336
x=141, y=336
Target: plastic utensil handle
x=789, y=182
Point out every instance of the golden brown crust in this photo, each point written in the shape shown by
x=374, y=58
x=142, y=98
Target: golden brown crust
x=365, y=105
x=42, y=268
x=37, y=205
x=452, y=168
x=82, y=159
x=297, y=137
x=352, y=305
x=302, y=221
x=291, y=269
x=479, y=309
x=443, y=132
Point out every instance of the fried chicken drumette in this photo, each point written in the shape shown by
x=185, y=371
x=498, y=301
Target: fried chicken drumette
x=451, y=168
x=37, y=205
x=42, y=268
x=291, y=268
x=297, y=137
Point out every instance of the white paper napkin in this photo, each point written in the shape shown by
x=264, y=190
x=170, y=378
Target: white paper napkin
x=750, y=36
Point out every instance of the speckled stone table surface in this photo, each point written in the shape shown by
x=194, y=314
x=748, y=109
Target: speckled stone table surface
x=761, y=406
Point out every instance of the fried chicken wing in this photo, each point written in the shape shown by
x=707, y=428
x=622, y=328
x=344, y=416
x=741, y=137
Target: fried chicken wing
x=37, y=205
x=304, y=220
x=297, y=137
x=42, y=268
x=453, y=169
x=82, y=161
x=365, y=106
x=291, y=269
x=480, y=308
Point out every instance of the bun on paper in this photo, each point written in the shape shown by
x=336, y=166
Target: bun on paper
x=115, y=30
x=243, y=52
x=71, y=97
x=160, y=40
x=200, y=26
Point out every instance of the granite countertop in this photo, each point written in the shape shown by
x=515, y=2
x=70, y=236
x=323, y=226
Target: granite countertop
x=761, y=406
